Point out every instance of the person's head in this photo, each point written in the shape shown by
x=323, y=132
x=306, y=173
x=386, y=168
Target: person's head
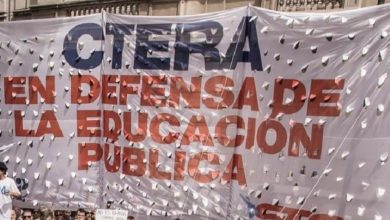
x=48, y=215
x=89, y=215
x=80, y=215
x=67, y=213
x=27, y=214
x=63, y=215
x=3, y=169
x=37, y=214
x=59, y=215
x=14, y=214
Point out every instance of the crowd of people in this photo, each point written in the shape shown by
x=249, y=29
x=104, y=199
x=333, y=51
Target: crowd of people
x=9, y=190
x=47, y=214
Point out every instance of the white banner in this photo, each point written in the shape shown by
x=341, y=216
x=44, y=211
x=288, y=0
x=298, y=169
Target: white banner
x=246, y=113
x=109, y=214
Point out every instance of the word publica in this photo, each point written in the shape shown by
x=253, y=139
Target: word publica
x=133, y=161
x=185, y=44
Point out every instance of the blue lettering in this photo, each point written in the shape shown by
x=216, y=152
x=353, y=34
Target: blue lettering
x=70, y=46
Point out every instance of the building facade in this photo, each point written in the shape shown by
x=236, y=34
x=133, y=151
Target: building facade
x=34, y=9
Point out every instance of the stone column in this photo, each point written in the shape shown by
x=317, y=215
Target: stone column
x=191, y=7
x=273, y=4
x=365, y=3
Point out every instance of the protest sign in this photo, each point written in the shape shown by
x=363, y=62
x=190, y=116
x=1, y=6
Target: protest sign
x=111, y=214
x=244, y=113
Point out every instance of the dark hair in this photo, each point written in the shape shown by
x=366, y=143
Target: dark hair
x=28, y=210
x=37, y=213
x=3, y=167
x=59, y=212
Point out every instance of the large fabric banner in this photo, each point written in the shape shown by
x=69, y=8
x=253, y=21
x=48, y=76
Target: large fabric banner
x=240, y=114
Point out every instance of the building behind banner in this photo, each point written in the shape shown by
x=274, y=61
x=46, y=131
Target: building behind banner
x=34, y=9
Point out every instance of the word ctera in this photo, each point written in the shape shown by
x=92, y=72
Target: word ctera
x=184, y=45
